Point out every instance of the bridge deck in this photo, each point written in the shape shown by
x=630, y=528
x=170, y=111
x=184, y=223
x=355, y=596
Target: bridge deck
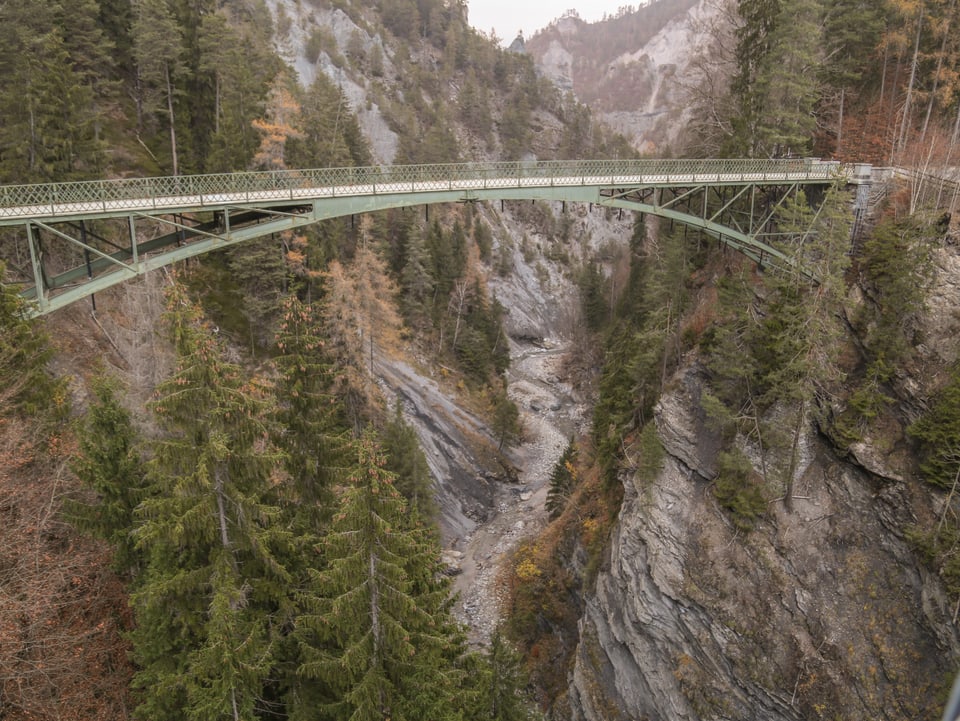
x=207, y=212
x=111, y=198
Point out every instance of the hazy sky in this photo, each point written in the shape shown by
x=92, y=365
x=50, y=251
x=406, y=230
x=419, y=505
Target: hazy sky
x=509, y=16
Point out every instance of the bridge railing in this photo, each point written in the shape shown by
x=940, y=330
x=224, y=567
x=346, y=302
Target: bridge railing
x=105, y=195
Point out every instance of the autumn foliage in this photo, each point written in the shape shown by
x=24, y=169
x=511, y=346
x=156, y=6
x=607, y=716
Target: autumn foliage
x=62, y=652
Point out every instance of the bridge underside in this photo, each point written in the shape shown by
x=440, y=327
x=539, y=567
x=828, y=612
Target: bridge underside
x=72, y=258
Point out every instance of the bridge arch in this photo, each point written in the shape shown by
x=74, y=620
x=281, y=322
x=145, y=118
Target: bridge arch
x=211, y=212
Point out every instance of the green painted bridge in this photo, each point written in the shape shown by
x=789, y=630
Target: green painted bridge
x=58, y=254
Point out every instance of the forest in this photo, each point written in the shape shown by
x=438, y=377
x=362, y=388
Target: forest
x=259, y=539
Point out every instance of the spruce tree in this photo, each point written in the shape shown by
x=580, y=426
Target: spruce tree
x=159, y=55
x=788, y=81
x=260, y=270
x=506, y=420
x=938, y=434
x=310, y=424
x=55, y=62
x=499, y=684
x=405, y=459
x=798, y=340
x=26, y=386
x=210, y=541
x=237, y=56
x=416, y=285
x=108, y=463
x=563, y=478
x=373, y=639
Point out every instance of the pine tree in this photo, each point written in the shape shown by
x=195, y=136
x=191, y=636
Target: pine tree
x=210, y=541
x=108, y=464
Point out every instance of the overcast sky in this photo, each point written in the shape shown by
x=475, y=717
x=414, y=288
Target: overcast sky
x=509, y=16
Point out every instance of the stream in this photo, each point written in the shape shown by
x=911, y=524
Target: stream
x=484, y=510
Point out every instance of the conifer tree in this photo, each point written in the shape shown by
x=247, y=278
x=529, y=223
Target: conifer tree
x=416, y=285
x=26, y=386
x=372, y=636
x=236, y=54
x=896, y=267
x=788, y=82
x=777, y=60
x=158, y=52
x=359, y=320
x=310, y=419
x=405, y=459
x=210, y=541
x=799, y=337
x=506, y=420
x=563, y=478
x=259, y=267
x=499, y=684
x=331, y=137
x=280, y=124
x=52, y=104
x=938, y=433
x=108, y=463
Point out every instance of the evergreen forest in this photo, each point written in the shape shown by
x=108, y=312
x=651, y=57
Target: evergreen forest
x=235, y=522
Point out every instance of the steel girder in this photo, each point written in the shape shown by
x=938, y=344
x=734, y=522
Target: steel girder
x=732, y=201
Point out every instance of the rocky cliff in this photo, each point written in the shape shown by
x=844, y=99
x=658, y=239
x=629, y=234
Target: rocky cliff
x=634, y=70
x=822, y=611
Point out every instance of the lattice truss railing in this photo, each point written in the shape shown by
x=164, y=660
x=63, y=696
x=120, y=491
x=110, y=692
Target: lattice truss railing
x=69, y=234
x=50, y=200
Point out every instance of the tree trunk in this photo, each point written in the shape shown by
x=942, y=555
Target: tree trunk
x=216, y=107
x=461, y=290
x=221, y=509
x=936, y=76
x=173, y=125
x=840, y=124
x=956, y=128
x=905, y=120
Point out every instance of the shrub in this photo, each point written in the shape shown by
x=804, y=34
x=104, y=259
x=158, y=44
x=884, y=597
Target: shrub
x=737, y=489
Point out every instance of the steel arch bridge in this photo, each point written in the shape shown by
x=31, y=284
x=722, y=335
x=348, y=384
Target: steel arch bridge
x=60, y=259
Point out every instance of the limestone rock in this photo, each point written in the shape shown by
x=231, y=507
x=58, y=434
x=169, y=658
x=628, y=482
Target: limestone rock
x=692, y=619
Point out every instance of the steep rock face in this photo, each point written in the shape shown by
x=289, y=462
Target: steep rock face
x=822, y=612
x=633, y=70
x=296, y=22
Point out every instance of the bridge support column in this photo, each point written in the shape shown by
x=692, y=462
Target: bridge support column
x=36, y=259
x=133, y=240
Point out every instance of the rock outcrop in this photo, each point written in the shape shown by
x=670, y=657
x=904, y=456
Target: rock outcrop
x=634, y=70
x=819, y=612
